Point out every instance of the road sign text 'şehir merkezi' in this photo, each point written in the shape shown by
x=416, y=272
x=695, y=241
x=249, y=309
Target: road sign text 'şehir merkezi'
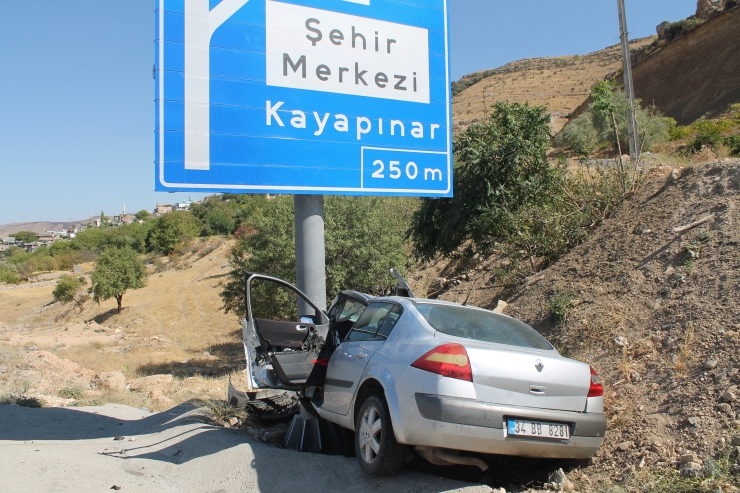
x=347, y=97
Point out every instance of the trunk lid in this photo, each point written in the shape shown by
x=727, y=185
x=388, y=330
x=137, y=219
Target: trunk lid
x=528, y=378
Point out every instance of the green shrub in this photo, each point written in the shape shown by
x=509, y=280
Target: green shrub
x=595, y=128
x=733, y=144
x=682, y=27
x=708, y=134
x=8, y=275
x=580, y=136
x=679, y=133
x=560, y=305
x=70, y=393
x=68, y=289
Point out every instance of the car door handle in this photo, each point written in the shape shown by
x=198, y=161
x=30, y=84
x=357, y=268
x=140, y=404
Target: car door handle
x=301, y=328
x=537, y=390
x=361, y=356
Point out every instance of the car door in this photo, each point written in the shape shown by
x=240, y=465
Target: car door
x=348, y=362
x=283, y=333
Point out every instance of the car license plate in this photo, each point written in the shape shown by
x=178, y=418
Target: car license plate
x=538, y=429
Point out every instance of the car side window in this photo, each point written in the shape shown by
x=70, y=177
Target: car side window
x=386, y=326
x=351, y=311
x=376, y=322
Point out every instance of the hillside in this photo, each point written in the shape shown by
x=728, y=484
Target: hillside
x=561, y=83
x=37, y=227
x=656, y=311
x=695, y=75
x=173, y=326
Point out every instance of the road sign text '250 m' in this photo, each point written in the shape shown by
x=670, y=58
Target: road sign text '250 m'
x=346, y=97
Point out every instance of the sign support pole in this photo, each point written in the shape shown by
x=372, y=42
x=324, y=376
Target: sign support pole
x=310, y=253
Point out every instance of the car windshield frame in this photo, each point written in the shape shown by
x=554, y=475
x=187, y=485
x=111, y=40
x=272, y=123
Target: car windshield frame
x=481, y=325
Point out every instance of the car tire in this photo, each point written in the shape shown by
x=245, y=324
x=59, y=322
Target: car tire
x=378, y=452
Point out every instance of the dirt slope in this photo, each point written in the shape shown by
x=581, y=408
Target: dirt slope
x=656, y=312
x=697, y=74
x=562, y=83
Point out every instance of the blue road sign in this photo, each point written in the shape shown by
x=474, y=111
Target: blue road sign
x=347, y=97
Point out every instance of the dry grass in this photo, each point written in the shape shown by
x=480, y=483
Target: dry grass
x=222, y=413
x=540, y=82
x=174, y=325
x=684, y=351
x=625, y=365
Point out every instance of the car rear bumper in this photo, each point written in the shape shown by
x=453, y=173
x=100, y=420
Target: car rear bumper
x=475, y=426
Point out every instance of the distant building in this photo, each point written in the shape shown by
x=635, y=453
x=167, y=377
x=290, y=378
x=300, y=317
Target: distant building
x=31, y=247
x=182, y=206
x=127, y=218
x=9, y=240
x=162, y=209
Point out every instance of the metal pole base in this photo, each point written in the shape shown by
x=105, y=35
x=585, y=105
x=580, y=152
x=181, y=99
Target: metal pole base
x=307, y=433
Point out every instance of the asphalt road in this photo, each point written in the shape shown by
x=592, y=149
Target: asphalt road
x=73, y=449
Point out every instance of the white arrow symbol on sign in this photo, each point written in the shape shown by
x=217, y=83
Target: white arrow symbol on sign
x=200, y=24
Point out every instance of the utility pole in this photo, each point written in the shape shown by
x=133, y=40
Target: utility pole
x=629, y=89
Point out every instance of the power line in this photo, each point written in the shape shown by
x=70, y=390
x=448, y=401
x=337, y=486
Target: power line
x=546, y=26
x=526, y=31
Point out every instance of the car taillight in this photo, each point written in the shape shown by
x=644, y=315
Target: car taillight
x=448, y=360
x=597, y=388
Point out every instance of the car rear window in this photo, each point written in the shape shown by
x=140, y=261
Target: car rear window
x=481, y=325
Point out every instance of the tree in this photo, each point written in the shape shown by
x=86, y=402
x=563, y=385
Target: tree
x=25, y=236
x=602, y=95
x=170, y=230
x=217, y=214
x=143, y=215
x=104, y=222
x=68, y=289
x=501, y=170
x=364, y=239
x=46, y=262
x=596, y=127
x=116, y=271
x=91, y=239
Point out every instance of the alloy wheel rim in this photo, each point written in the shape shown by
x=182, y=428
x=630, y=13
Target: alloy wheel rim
x=370, y=428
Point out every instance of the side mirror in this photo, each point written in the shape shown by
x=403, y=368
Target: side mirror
x=337, y=339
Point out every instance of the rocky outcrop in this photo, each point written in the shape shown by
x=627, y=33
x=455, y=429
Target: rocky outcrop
x=662, y=29
x=705, y=9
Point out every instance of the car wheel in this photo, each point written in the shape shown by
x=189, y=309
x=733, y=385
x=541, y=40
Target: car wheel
x=378, y=452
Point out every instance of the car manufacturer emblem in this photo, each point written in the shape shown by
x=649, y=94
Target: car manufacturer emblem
x=539, y=365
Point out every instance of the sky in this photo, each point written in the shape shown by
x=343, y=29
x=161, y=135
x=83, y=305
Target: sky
x=77, y=94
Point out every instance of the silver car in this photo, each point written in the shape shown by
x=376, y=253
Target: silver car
x=416, y=375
